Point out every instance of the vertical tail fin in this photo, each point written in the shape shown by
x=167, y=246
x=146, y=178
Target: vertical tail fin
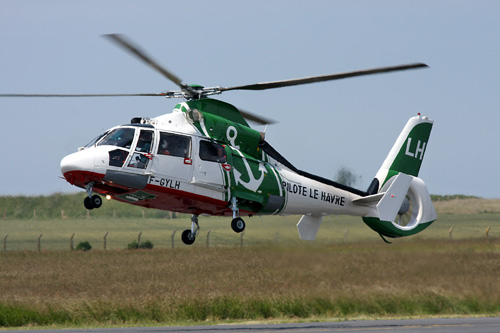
x=398, y=180
x=408, y=151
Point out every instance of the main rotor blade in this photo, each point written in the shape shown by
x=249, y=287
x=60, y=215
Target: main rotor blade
x=81, y=95
x=134, y=49
x=320, y=78
x=258, y=119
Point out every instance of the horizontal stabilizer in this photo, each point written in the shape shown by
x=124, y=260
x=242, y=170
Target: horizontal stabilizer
x=390, y=204
x=368, y=200
x=308, y=226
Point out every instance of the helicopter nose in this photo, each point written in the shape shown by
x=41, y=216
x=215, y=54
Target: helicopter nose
x=79, y=161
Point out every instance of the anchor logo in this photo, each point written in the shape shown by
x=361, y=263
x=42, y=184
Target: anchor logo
x=232, y=138
x=253, y=183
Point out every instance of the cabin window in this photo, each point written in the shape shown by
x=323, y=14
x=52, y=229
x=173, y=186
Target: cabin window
x=213, y=152
x=120, y=137
x=174, y=145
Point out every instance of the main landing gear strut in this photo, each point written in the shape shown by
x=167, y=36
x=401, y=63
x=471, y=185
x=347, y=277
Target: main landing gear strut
x=92, y=200
x=237, y=224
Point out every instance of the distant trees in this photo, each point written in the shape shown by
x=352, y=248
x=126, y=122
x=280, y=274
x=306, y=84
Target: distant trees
x=66, y=205
x=346, y=177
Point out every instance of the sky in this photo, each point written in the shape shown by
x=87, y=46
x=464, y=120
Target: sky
x=57, y=47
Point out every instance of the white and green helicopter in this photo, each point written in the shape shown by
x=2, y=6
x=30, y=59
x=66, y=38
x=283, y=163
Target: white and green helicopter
x=203, y=158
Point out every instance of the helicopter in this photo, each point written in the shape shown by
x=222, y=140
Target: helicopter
x=203, y=158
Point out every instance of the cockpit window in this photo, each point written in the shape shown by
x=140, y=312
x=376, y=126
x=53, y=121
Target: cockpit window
x=174, y=145
x=94, y=141
x=141, y=157
x=120, y=137
x=145, y=141
x=210, y=151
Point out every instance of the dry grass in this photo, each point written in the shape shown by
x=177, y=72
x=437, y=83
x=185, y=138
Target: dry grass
x=196, y=283
x=467, y=206
x=347, y=272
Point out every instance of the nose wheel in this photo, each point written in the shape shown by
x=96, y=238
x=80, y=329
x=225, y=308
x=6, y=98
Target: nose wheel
x=92, y=200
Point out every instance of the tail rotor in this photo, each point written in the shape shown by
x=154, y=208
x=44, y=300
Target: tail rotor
x=405, y=212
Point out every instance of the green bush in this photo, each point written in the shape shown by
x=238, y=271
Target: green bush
x=84, y=246
x=147, y=245
x=144, y=245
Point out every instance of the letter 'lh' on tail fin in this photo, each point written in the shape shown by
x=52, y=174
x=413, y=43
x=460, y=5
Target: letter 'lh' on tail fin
x=408, y=152
x=405, y=207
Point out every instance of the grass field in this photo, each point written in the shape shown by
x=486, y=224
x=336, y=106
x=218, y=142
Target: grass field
x=188, y=285
x=348, y=272
x=267, y=230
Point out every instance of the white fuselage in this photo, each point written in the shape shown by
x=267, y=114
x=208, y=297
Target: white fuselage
x=307, y=196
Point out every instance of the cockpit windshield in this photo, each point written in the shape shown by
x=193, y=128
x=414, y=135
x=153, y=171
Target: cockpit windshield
x=94, y=141
x=120, y=137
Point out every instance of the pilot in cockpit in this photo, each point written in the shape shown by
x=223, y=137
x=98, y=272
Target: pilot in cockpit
x=144, y=143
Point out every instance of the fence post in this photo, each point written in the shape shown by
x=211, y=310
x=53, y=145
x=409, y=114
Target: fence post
x=105, y=236
x=488, y=232
x=4, y=215
x=143, y=213
x=208, y=239
x=88, y=214
x=451, y=233
x=172, y=239
x=39, y=244
x=62, y=214
x=5, y=243
x=34, y=214
x=71, y=242
x=241, y=239
x=139, y=240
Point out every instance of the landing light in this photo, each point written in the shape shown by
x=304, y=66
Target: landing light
x=108, y=197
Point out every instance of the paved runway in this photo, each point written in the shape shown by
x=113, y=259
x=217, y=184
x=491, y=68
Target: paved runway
x=436, y=325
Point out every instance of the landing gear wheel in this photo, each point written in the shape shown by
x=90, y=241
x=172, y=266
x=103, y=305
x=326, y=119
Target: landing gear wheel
x=187, y=237
x=96, y=201
x=87, y=202
x=238, y=225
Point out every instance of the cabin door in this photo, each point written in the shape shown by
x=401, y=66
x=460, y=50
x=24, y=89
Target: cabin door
x=209, y=166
